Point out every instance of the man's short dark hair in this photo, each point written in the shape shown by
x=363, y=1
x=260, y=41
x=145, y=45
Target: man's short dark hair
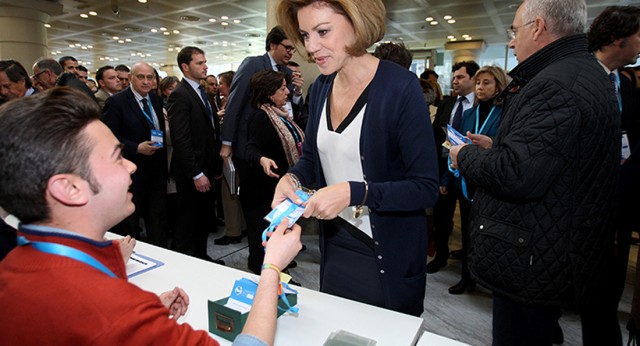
x=122, y=68
x=293, y=63
x=396, y=52
x=100, y=72
x=275, y=36
x=429, y=72
x=49, y=65
x=264, y=84
x=186, y=55
x=82, y=68
x=66, y=58
x=41, y=136
x=615, y=22
x=15, y=72
x=471, y=67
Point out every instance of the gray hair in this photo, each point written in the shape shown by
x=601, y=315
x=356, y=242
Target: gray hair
x=563, y=17
x=51, y=65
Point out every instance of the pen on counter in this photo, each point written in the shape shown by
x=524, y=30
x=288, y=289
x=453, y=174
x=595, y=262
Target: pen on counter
x=139, y=261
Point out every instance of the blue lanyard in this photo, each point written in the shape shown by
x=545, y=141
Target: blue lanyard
x=276, y=220
x=66, y=251
x=463, y=182
x=293, y=129
x=618, y=94
x=153, y=124
x=485, y=121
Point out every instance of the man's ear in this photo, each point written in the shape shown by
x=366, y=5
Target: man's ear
x=69, y=189
x=541, y=27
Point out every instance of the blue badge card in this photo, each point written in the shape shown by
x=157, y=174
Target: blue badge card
x=242, y=295
x=288, y=209
x=456, y=137
x=157, y=137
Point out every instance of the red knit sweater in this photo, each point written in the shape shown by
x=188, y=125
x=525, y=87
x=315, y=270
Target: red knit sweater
x=53, y=300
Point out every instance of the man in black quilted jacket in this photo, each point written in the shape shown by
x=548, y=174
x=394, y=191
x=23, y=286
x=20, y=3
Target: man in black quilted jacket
x=542, y=215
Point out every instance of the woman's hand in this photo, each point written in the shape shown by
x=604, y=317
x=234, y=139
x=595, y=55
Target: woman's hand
x=268, y=165
x=286, y=188
x=327, y=202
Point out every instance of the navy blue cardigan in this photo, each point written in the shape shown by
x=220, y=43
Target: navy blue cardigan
x=399, y=162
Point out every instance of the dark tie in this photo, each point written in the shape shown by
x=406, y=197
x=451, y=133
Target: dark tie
x=614, y=82
x=147, y=111
x=457, y=117
x=280, y=68
x=205, y=100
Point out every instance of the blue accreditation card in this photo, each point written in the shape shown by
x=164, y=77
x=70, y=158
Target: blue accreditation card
x=288, y=209
x=242, y=295
x=455, y=137
x=157, y=137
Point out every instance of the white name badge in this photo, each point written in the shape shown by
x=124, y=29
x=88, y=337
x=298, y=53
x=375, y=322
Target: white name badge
x=626, y=150
x=157, y=137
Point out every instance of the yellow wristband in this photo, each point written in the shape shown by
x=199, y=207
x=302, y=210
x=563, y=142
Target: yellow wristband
x=272, y=266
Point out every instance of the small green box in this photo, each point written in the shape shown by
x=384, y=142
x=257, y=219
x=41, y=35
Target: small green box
x=228, y=323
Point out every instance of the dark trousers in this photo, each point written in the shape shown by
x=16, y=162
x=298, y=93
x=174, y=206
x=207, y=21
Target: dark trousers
x=516, y=324
x=194, y=219
x=256, y=203
x=443, y=213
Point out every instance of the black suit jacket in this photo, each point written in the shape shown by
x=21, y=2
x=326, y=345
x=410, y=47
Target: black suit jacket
x=441, y=120
x=239, y=111
x=630, y=118
x=193, y=135
x=123, y=115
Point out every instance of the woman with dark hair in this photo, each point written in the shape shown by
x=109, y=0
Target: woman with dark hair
x=167, y=85
x=274, y=145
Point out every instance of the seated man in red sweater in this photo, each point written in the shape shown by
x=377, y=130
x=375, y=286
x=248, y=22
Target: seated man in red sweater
x=64, y=177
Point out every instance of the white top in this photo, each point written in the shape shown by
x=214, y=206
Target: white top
x=340, y=158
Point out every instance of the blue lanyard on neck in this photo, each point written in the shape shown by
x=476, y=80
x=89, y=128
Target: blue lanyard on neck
x=153, y=124
x=293, y=129
x=66, y=251
x=485, y=121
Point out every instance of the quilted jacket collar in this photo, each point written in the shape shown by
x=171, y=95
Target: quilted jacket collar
x=546, y=56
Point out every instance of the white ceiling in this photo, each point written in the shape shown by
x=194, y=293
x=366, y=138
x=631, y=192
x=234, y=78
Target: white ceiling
x=93, y=40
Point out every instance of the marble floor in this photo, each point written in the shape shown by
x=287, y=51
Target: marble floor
x=466, y=318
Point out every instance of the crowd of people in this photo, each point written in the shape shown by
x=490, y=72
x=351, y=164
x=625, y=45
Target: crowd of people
x=545, y=179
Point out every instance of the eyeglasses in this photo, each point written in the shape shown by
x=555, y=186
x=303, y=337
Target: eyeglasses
x=290, y=49
x=148, y=77
x=35, y=76
x=513, y=30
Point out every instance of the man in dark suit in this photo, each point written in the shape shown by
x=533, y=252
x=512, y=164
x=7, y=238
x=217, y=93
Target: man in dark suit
x=614, y=38
x=195, y=163
x=450, y=112
x=234, y=131
x=135, y=117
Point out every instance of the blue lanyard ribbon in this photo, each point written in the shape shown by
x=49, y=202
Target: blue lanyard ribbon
x=456, y=173
x=284, y=298
x=486, y=121
x=276, y=220
x=66, y=251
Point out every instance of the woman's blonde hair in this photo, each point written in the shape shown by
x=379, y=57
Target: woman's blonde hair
x=366, y=16
x=502, y=80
